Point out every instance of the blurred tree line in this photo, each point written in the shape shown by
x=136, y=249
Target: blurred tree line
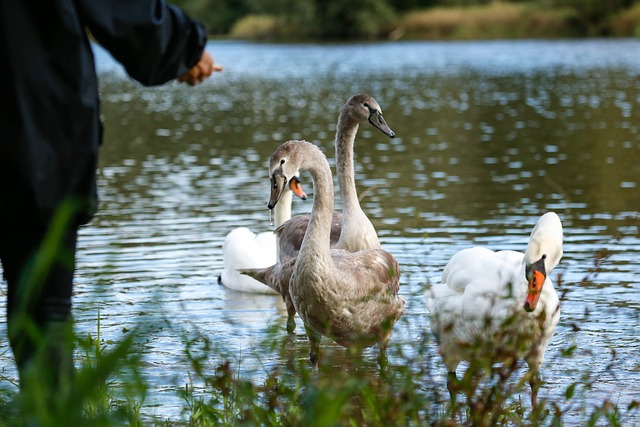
x=340, y=19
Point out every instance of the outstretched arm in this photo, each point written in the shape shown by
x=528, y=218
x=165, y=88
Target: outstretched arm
x=199, y=72
x=155, y=41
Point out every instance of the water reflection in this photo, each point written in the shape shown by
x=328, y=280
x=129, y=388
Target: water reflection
x=490, y=135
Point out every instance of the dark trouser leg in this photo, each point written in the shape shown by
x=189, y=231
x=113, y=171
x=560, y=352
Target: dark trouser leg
x=40, y=279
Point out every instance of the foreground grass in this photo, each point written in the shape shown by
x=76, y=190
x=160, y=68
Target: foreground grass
x=109, y=389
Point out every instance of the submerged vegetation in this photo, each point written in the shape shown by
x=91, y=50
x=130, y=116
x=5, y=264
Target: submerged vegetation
x=417, y=19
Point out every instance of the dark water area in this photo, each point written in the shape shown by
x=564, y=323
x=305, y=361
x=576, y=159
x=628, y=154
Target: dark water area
x=490, y=135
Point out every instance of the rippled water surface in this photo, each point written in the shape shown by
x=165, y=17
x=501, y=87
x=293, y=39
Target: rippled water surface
x=489, y=136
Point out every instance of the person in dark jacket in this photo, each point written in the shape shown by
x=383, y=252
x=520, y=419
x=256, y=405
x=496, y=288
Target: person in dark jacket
x=50, y=134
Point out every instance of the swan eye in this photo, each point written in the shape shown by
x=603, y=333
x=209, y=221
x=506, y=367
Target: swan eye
x=282, y=161
x=544, y=256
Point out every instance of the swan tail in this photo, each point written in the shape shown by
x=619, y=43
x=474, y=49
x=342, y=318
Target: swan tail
x=262, y=275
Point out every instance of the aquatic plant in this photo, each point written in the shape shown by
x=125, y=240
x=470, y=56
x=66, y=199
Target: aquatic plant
x=109, y=387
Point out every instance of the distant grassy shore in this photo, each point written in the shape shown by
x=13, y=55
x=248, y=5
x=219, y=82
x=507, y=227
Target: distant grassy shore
x=513, y=20
x=497, y=20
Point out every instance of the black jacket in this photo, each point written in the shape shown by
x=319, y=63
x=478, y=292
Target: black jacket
x=50, y=127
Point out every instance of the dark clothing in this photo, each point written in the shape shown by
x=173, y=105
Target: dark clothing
x=50, y=128
x=50, y=133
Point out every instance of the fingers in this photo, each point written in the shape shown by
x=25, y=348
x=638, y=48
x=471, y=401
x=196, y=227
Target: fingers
x=201, y=71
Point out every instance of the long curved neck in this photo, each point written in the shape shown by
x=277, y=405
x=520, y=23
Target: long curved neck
x=345, y=137
x=358, y=232
x=317, y=239
x=546, y=238
x=283, y=209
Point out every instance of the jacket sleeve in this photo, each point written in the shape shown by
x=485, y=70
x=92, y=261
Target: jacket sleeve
x=153, y=40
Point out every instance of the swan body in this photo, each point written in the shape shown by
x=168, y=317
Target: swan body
x=243, y=248
x=500, y=305
x=350, y=297
x=351, y=230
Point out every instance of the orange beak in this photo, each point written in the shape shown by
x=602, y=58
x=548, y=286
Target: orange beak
x=535, y=287
x=296, y=187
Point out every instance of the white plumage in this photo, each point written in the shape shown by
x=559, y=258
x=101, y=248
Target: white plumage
x=499, y=305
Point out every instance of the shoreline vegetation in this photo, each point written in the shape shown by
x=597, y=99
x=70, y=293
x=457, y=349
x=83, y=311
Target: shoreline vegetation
x=312, y=20
x=111, y=387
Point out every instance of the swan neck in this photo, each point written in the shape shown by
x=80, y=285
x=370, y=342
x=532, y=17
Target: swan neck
x=317, y=239
x=345, y=138
x=282, y=211
x=546, y=239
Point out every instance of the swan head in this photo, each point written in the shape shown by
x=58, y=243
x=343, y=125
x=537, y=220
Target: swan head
x=542, y=255
x=284, y=165
x=363, y=107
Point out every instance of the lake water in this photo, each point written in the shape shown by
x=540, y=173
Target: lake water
x=489, y=136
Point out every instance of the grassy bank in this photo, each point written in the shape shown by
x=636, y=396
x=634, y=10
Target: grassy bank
x=496, y=20
x=493, y=21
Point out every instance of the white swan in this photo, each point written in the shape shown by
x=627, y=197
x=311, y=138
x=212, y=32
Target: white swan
x=350, y=297
x=499, y=305
x=351, y=230
x=244, y=249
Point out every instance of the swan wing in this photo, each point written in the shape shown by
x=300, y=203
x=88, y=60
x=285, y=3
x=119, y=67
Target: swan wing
x=356, y=302
x=478, y=282
x=367, y=272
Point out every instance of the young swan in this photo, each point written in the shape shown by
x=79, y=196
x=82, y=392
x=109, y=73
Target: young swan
x=351, y=229
x=356, y=230
x=350, y=297
x=500, y=305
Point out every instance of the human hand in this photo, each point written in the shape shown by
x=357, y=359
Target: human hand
x=199, y=72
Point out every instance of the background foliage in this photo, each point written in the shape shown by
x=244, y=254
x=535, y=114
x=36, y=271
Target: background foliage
x=368, y=19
